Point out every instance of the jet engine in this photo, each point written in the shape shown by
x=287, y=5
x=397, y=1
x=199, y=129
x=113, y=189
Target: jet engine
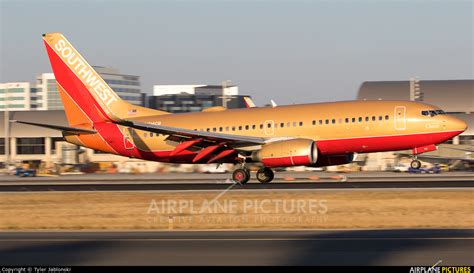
x=330, y=160
x=285, y=153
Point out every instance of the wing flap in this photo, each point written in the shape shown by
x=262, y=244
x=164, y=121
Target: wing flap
x=174, y=132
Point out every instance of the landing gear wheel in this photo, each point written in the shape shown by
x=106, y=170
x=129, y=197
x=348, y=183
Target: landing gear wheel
x=415, y=164
x=241, y=176
x=265, y=175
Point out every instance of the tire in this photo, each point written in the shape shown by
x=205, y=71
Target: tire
x=415, y=164
x=241, y=176
x=265, y=175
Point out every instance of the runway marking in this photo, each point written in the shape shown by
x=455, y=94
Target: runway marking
x=225, y=239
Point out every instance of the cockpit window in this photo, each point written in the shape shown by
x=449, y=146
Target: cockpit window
x=432, y=113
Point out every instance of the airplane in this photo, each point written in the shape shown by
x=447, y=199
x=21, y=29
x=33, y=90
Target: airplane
x=313, y=134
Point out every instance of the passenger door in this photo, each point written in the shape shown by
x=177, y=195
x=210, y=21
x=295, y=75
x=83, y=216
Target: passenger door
x=400, y=117
x=269, y=127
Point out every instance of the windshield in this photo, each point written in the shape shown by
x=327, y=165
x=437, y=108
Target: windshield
x=432, y=113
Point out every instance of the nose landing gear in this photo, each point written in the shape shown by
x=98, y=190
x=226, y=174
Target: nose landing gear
x=415, y=163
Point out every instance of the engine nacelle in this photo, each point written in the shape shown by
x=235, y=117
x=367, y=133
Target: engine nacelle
x=285, y=153
x=331, y=160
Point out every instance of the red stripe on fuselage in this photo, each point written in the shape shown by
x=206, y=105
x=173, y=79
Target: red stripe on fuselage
x=382, y=143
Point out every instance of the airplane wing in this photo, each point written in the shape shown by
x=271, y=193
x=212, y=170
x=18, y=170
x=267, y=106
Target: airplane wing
x=201, y=138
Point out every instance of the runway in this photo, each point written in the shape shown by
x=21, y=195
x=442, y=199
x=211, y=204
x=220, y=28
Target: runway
x=320, y=247
x=223, y=186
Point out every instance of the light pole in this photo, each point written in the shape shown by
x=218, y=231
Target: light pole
x=6, y=124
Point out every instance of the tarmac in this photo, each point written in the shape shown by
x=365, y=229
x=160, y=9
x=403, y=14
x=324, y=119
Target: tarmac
x=408, y=247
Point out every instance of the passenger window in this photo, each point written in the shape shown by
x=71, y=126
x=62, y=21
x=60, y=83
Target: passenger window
x=327, y=121
x=373, y=118
x=207, y=129
x=314, y=122
x=366, y=118
x=282, y=125
x=220, y=129
x=294, y=123
x=386, y=117
x=360, y=119
x=261, y=126
x=380, y=118
x=253, y=126
x=227, y=128
x=240, y=128
x=353, y=119
x=233, y=128
x=269, y=125
x=347, y=120
x=246, y=127
x=301, y=123
x=320, y=122
x=333, y=121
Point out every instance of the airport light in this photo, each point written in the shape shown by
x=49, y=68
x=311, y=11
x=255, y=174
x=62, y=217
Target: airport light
x=6, y=124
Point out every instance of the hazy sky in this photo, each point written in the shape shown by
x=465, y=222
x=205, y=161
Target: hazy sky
x=291, y=52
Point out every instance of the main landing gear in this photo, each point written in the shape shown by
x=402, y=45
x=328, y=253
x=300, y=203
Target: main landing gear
x=242, y=175
x=265, y=175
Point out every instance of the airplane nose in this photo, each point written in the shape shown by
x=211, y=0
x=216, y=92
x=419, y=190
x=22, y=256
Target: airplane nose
x=459, y=124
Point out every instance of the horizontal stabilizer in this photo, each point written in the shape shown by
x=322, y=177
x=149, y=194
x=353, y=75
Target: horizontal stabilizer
x=58, y=127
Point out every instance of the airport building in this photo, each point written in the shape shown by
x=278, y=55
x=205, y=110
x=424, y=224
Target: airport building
x=15, y=96
x=194, y=98
x=126, y=86
x=44, y=95
x=198, y=89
